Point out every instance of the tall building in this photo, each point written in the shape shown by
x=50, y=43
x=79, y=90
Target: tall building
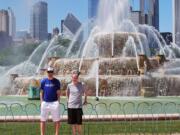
x=5, y=39
x=70, y=26
x=93, y=8
x=176, y=20
x=4, y=21
x=92, y=12
x=39, y=21
x=135, y=17
x=156, y=14
x=12, y=23
x=150, y=12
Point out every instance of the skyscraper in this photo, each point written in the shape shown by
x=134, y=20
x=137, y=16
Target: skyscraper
x=93, y=8
x=92, y=12
x=135, y=17
x=39, y=21
x=70, y=26
x=150, y=12
x=4, y=21
x=176, y=20
x=156, y=14
x=4, y=29
x=12, y=23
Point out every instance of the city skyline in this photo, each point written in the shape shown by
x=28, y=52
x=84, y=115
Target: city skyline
x=58, y=11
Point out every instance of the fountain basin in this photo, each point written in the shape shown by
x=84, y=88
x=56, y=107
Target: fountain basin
x=117, y=85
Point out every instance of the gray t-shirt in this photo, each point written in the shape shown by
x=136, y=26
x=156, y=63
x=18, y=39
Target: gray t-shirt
x=75, y=95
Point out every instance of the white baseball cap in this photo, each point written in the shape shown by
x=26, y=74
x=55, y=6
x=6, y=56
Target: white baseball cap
x=50, y=69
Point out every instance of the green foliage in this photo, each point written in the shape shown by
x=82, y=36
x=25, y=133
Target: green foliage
x=64, y=42
x=15, y=54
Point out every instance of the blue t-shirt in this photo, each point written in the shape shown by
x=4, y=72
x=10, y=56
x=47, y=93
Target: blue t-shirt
x=50, y=88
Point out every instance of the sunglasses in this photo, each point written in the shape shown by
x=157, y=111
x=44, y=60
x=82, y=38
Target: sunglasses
x=50, y=72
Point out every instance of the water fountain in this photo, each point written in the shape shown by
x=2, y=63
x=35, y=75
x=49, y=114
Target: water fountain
x=117, y=58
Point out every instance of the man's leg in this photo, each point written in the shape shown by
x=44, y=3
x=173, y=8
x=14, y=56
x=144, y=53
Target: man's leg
x=55, y=112
x=44, y=117
x=57, y=126
x=42, y=126
x=73, y=129
x=79, y=121
x=79, y=129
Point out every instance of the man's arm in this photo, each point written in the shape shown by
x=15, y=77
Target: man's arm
x=58, y=95
x=67, y=95
x=41, y=96
x=59, y=90
x=41, y=90
x=85, y=95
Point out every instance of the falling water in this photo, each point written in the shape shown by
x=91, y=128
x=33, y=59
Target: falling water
x=111, y=14
x=3, y=69
x=170, y=53
x=46, y=52
x=80, y=50
x=147, y=30
x=130, y=45
x=40, y=47
x=5, y=78
x=128, y=26
x=112, y=44
x=53, y=48
x=176, y=49
x=74, y=40
x=34, y=56
x=90, y=45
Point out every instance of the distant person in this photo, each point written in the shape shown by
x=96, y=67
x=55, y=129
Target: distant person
x=49, y=96
x=75, y=92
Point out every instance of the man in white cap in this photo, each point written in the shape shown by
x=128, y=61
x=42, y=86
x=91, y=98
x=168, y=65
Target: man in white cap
x=50, y=94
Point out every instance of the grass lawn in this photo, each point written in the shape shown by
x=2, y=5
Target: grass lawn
x=96, y=128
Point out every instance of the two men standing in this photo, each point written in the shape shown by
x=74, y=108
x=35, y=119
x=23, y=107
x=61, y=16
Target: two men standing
x=50, y=97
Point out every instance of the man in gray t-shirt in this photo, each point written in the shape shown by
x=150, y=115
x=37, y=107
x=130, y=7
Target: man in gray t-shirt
x=75, y=91
x=75, y=95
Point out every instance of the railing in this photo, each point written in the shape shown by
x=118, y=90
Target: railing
x=114, y=118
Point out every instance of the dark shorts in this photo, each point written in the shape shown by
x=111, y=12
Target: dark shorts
x=75, y=116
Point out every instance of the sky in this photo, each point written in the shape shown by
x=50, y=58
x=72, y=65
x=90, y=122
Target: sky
x=58, y=9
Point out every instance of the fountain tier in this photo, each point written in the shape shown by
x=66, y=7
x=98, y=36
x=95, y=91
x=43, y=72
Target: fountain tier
x=107, y=66
x=116, y=85
x=112, y=44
